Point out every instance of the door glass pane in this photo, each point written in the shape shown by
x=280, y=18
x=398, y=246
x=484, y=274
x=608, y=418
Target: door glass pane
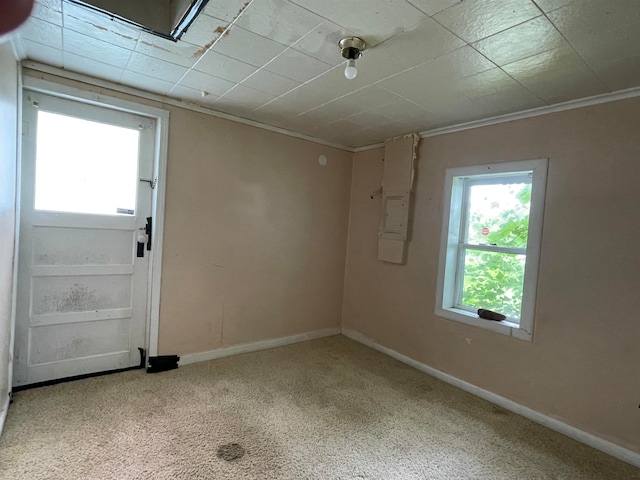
x=499, y=214
x=493, y=280
x=84, y=166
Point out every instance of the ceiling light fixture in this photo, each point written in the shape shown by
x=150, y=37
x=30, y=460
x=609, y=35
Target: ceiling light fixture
x=351, y=49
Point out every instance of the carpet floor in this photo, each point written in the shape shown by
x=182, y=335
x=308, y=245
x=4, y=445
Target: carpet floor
x=325, y=409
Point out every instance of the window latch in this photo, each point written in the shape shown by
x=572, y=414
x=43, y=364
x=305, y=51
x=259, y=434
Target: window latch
x=153, y=182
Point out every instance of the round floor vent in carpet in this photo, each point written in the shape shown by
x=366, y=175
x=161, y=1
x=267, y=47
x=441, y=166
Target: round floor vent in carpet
x=230, y=452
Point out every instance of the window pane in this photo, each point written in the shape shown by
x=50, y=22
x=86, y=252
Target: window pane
x=84, y=166
x=499, y=214
x=493, y=280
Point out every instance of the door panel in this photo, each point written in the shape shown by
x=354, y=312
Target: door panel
x=82, y=291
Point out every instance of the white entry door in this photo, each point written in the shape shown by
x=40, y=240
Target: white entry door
x=85, y=198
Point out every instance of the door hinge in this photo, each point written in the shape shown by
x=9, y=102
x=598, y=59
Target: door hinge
x=143, y=357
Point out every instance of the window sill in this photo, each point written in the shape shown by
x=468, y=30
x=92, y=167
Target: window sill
x=504, y=327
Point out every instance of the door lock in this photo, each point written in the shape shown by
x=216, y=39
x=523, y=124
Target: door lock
x=144, y=236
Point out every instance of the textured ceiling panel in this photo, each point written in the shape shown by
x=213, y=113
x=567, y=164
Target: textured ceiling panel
x=428, y=63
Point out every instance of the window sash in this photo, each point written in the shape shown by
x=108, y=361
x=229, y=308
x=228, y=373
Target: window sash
x=463, y=246
x=459, y=284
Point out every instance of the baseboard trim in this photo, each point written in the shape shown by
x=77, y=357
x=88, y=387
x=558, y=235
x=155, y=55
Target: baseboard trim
x=605, y=446
x=255, y=346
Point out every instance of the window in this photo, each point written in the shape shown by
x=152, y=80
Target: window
x=490, y=245
x=85, y=166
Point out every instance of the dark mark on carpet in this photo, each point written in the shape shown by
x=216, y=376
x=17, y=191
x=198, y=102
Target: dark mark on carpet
x=230, y=452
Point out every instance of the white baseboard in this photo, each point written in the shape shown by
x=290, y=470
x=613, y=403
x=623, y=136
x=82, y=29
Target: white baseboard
x=605, y=446
x=255, y=346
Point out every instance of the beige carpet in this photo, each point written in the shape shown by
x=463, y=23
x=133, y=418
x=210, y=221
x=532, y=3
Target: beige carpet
x=326, y=409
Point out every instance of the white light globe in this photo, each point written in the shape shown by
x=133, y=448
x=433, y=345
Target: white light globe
x=351, y=71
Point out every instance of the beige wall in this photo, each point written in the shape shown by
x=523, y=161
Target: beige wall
x=8, y=139
x=582, y=366
x=255, y=235
x=255, y=243
x=255, y=232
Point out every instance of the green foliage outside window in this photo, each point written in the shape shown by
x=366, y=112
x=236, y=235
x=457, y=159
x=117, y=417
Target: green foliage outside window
x=494, y=280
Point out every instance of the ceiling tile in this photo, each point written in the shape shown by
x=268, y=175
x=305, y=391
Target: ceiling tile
x=144, y=82
x=431, y=7
x=422, y=125
x=595, y=15
x=224, y=67
x=206, y=83
x=404, y=110
x=484, y=83
x=497, y=92
x=247, y=46
x=227, y=10
x=332, y=84
x=49, y=11
x=528, y=38
x=91, y=48
x=549, y=5
x=192, y=95
x=426, y=41
x=330, y=111
x=374, y=21
x=296, y=65
x=42, y=53
x=417, y=73
x=94, y=68
x=431, y=87
x=204, y=32
x=322, y=42
x=278, y=20
x=394, y=129
x=601, y=48
x=99, y=26
x=241, y=99
x=297, y=101
x=370, y=97
x=438, y=74
x=275, y=119
x=155, y=67
x=555, y=76
x=180, y=53
x=42, y=32
x=512, y=99
x=620, y=74
x=357, y=138
x=270, y=83
x=339, y=127
x=370, y=118
x=473, y=20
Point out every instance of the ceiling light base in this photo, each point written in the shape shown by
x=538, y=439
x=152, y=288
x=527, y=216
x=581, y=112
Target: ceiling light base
x=352, y=47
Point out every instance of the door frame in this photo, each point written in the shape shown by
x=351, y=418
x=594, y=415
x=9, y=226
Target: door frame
x=161, y=116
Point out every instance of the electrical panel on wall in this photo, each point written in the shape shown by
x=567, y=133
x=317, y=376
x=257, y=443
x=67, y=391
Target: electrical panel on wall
x=400, y=155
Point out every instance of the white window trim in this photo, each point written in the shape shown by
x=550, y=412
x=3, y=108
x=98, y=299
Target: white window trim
x=445, y=290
